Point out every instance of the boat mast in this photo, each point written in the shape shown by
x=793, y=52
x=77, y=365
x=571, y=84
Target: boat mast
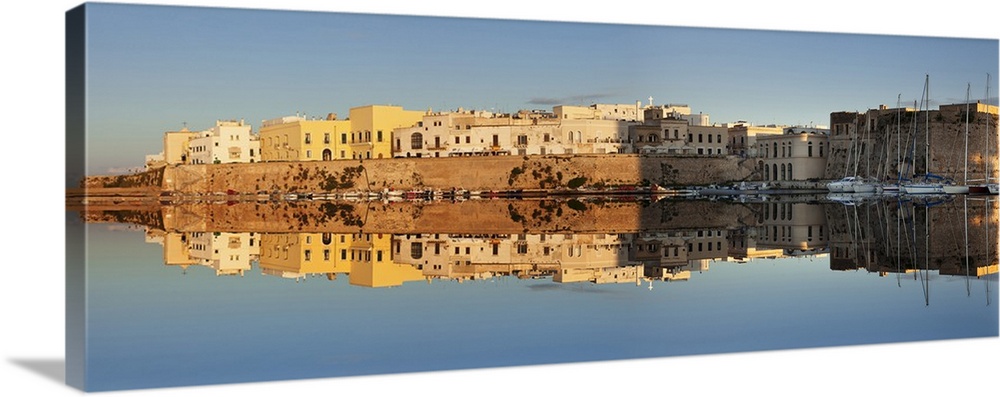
x=989, y=119
x=899, y=139
x=927, y=126
x=965, y=177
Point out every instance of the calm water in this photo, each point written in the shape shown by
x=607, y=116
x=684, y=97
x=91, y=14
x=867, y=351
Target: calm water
x=172, y=308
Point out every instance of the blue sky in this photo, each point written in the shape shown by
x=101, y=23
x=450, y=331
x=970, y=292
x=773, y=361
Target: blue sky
x=152, y=69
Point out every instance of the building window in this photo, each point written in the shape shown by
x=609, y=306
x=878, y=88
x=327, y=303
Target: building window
x=416, y=250
x=308, y=138
x=709, y=138
x=545, y=138
x=343, y=138
x=790, y=171
x=810, y=149
x=378, y=135
x=417, y=141
x=522, y=139
x=308, y=255
x=378, y=256
x=309, y=154
x=699, y=138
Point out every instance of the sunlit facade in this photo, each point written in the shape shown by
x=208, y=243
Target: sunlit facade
x=229, y=141
x=798, y=154
x=371, y=129
x=295, y=138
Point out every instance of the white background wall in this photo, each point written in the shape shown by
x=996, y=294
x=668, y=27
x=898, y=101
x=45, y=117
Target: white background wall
x=35, y=91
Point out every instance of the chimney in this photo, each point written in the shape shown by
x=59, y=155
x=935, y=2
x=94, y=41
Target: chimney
x=331, y=116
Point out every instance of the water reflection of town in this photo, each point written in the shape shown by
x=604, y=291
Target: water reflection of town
x=954, y=237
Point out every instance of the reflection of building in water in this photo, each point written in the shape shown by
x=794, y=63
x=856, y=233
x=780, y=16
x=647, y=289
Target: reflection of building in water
x=227, y=253
x=796, y=229
x=373, y=264
x=598, y=258
x=175, y=248
x=673, y=255
x=299, y=255
x=919, y=234
x=745, y=245
x=366, y=258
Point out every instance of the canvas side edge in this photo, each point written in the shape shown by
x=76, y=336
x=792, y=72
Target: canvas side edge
x=75, y=336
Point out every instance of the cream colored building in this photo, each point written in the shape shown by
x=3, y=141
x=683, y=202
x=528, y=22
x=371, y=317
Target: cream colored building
x=708, y=140
x=743, y=137
x=590, y=136
x=448, y=134
x=295, y=138
x=660, y=135
x=176, y=149
x=228, y=141
x=601, y=111
x=798, y=154
x=227, y=253
x=793, y=227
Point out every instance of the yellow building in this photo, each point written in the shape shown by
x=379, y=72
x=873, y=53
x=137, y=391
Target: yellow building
x=295, y=138
x=371, y=129
x=373, y=265
x=298, y=255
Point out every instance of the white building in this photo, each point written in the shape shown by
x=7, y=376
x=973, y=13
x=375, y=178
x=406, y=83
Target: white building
x=227, y=253
x=228, y=142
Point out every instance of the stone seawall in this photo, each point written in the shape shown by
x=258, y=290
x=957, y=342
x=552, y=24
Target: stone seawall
x=471, y=173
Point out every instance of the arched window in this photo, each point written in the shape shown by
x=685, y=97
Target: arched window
x=790, y=171
x=570, y=137
x=579, y=136
x=652, y=137
x=782, y=172
x=774, y=172
x=417, y=141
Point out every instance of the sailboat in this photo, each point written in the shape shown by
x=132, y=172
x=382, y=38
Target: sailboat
x=864, y=185
x=963, y=189
x=845, y=184
x=931, y=183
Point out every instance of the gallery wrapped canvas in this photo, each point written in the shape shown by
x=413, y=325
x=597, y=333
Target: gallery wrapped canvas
x=267, y=195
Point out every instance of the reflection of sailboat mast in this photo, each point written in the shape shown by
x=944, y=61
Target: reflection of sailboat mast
x=965, y=209
x=927, y=254
x=899, y=245
x=989, y=259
